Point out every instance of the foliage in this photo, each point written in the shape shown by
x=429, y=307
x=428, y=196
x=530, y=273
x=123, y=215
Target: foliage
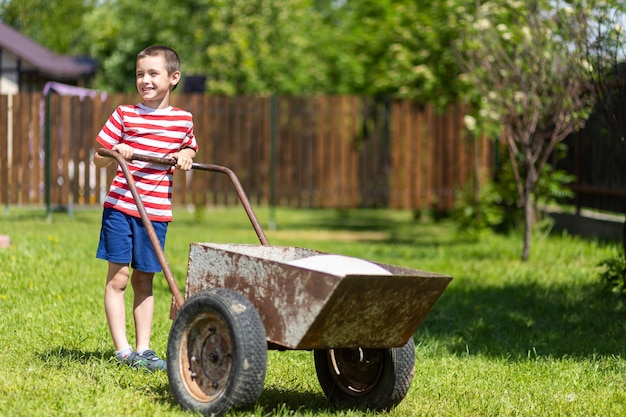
x=260, y=47
x=119, y=29
x=402, y=48
x=57, y=25
x=525, y=61
x=395, y=48
x=494, y=204
x=478, y=209
x=613, y=273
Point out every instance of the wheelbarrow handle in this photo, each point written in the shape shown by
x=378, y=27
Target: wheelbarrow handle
x=178, y=298
x=243, y=197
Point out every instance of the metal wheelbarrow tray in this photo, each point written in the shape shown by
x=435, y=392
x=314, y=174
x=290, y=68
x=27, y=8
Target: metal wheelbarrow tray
x=242, y=300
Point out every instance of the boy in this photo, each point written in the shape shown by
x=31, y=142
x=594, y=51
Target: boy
x=152, y=128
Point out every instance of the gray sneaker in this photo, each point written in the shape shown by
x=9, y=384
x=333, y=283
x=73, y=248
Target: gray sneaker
x=147, y=360
x=127, y=360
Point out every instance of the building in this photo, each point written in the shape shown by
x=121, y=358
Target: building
x=27, y=66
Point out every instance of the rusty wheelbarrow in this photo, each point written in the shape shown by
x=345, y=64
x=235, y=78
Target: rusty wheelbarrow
x=358, y=317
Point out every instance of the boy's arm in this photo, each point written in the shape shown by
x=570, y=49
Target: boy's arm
x=104, y=161
x=184, y=158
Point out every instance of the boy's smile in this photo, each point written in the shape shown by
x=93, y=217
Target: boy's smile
x=153, y=82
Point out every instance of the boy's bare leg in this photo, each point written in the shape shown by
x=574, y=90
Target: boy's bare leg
x=143, y=307
x=117, y=280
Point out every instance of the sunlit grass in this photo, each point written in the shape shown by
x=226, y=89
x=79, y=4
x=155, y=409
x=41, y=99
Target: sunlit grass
x=506, y=338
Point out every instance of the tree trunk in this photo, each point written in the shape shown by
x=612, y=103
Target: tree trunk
x=530, y=182
x=528, y=224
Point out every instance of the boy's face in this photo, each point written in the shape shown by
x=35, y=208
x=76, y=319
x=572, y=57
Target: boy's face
x=153, y=82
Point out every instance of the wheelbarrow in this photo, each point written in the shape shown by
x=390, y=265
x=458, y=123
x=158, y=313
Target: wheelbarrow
x=357, y=316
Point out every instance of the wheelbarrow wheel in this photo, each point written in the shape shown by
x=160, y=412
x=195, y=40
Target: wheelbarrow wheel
x=216, y=353
x=377, y=379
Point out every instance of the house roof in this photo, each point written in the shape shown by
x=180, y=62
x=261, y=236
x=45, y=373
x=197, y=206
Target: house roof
x=45, y=61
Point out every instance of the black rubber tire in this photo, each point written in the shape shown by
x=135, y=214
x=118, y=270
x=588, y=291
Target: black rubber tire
x=377, y=379
x=216, y=353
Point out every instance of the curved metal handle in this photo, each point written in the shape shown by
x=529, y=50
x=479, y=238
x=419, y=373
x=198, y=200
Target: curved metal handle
x=243, y=197
x=178, y=298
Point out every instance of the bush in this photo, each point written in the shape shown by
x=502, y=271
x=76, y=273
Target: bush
x=495, y=205
x=614, y=273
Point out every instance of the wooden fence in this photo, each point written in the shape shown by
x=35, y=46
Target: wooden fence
x=596, y=158
x=336, y=152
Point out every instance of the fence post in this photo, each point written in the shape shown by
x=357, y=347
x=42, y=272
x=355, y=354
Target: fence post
x=47, y=156
x=272, y=211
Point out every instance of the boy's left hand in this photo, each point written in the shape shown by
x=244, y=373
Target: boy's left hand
x=184, y=158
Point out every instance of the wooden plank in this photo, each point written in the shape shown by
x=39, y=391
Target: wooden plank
x=86, y=141
x=452, y=143
x=413, y=158
x=216, y=119
x=308, y=152
x=72, y=136
x=198, y=184
x=350, y=197
x=64, y=151
x=37, y=163
x=355, y=153
x=317, y=146
x=429, y=153
x=17, y=158
x=334, y=152
x=96, y=120
x=24, y=152
x=21, y=154
x=408, y=156
x=5, y=171
x=396, y=144
x=55, y=141
x=263, y=149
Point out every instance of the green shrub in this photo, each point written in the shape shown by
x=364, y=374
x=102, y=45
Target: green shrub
x=495, y=205
x=614, y=273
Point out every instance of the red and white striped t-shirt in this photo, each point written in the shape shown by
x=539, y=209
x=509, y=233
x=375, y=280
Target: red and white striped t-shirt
x=152, y=132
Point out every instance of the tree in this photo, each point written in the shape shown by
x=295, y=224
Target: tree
x=403, y=47
x=116, y=30
x=397, y=48
x=55, y=25
x=240, y=46
x=525, y=61
x=263, y=47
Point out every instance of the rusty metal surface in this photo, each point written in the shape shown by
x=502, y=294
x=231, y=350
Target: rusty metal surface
x=305, y=309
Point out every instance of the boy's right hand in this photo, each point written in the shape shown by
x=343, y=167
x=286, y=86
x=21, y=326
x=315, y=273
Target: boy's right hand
x=124, y=150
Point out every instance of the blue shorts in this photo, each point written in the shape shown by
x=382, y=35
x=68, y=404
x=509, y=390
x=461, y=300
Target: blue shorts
x=124, y=240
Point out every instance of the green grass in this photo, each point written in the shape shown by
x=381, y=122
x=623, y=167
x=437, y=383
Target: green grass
x=506, y=338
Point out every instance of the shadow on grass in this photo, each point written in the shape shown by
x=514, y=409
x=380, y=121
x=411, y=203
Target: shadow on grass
x=61, y=355
x=528, y=320
x=286, y=402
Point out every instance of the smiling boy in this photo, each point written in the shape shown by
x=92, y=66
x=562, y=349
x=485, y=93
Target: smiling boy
x=152, y=128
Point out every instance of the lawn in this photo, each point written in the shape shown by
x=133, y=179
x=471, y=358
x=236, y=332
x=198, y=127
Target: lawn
x=507, y=338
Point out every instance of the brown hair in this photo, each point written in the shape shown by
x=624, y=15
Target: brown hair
x=172, y=62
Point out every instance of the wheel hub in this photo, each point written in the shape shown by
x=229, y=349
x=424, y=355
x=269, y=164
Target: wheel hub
x=207, y=357
x=356, y=371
